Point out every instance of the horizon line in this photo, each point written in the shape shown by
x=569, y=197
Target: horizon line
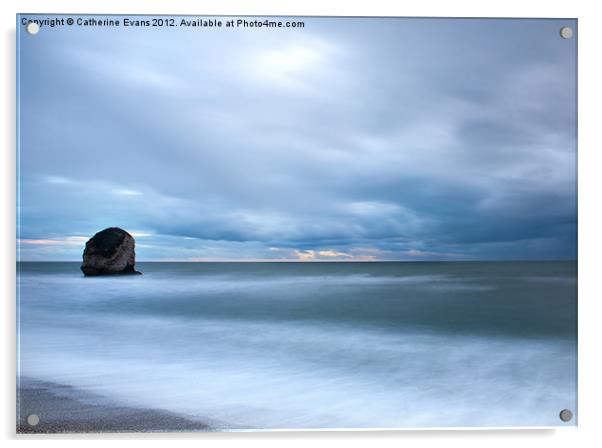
x=321, y=261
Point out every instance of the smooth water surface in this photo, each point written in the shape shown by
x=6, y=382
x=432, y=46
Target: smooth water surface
x=312, y=345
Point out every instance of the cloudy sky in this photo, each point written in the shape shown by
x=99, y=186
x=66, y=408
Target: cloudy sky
x=349, y=139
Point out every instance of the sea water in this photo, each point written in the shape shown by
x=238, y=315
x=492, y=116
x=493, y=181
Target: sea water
x=311, y=345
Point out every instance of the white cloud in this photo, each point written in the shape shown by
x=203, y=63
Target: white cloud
x=57, y=241
x=58, y=180
x=125, y=192
x=333, y=254
x=305, y=255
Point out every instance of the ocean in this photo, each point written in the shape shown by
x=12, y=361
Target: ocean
x=311, y=345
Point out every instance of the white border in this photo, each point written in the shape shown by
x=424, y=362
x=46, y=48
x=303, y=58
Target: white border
x=590, y=376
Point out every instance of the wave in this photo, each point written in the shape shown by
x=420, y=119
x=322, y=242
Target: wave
x=230, y=283
x=253, y=375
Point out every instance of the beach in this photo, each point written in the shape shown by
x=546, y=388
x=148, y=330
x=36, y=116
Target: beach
x=65, y=409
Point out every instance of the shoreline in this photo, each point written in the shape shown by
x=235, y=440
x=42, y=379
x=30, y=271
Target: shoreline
x=66, y=409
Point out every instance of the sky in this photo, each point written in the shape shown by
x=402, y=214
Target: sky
x=346, y=140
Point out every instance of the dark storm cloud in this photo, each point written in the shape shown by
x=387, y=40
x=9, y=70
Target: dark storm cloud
x=349, y=139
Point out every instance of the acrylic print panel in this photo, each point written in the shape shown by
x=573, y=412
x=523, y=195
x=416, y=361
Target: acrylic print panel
x=340, y=223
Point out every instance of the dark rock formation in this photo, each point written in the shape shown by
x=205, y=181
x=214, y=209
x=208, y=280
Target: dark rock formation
x=110, y=252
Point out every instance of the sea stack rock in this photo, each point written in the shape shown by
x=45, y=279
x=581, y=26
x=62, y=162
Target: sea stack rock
x=110, y=252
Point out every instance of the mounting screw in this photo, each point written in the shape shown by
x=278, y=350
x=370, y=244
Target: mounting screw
x=566, y=415
x=32, y=28
x=566, y=32
x=33, y=420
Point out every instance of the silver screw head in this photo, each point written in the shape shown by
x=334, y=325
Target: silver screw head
x=33, y=420
x=566, y=415
x=32, y=28
x=566, y=32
